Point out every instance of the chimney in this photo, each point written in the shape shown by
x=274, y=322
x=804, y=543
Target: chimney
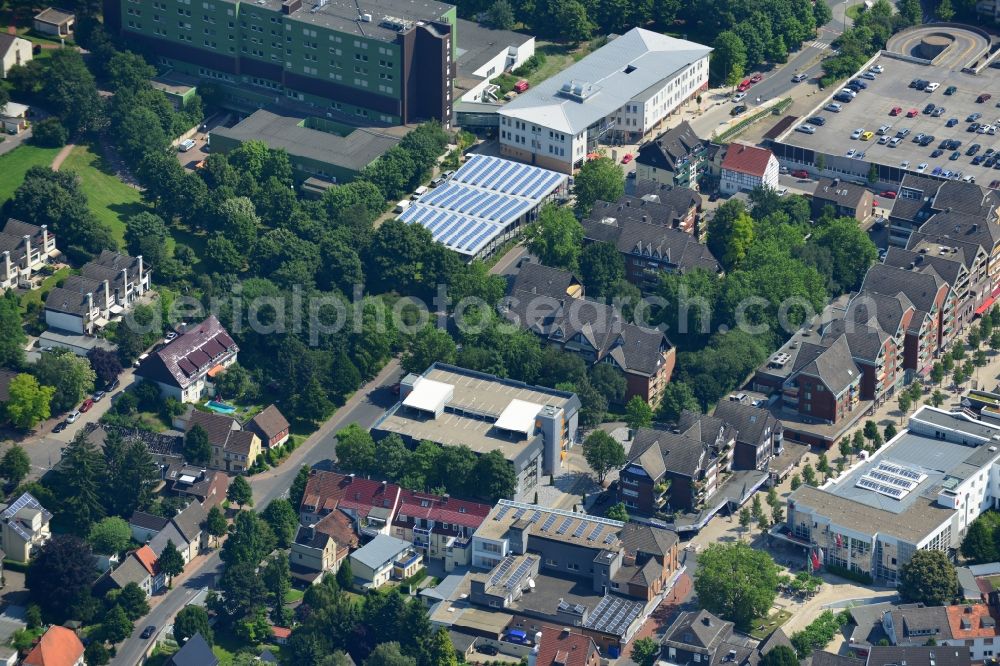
x=27, y=251
x=90, y=303
x=139, y=278
x=533, y=655
x=707, y=621
x=107, y=294
x=45, y=237
x=124, y=286
x=6, y=264
x=311, y=531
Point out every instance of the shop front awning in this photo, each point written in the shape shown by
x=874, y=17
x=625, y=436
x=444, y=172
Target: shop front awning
x=986, y=304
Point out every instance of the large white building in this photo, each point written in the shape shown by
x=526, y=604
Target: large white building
x=620, y=92
x=921, y=490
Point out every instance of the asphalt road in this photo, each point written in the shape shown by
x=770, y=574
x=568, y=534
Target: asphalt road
x=364, y=407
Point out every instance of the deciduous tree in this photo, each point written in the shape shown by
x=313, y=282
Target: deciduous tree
x=556, y=237
x=929, y=577
x=239, y=492
x=736, y=582
x=603, y=453
x=599, y=179
x=15, y=465
x=197, y=449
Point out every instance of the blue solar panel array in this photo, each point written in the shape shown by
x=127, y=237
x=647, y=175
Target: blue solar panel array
x=479, y=202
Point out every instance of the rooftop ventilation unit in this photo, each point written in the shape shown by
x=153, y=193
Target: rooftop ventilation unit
x=577, y=90
x=396, y=23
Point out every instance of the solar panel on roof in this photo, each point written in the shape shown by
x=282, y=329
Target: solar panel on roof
x=502, y=512
x=534, y=518
x=517, y=185
x=519, y=574
x=519, y=513
x=564, y=526
x=502, y=568
x=548, y=522
x=578, y=532
x=610, y=538
x=594, y=532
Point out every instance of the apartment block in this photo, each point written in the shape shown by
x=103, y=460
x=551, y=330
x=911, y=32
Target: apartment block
x=381, y=61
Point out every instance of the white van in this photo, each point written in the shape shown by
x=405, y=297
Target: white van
x=419, y=192
x=402, y=205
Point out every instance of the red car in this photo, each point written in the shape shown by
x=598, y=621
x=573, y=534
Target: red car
x=801, y=173
x=87, y=404
x=756, y=78
x=627, y=158
x=896, y=110
x=521, y=86
x=912, y=113
x=888, y=194
x=744, y=85
x=875, y=203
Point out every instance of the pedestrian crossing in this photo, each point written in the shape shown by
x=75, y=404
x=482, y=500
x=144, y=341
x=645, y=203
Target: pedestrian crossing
x=822, y=46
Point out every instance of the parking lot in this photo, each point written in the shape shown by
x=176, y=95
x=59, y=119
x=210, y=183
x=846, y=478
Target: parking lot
x=872, y=108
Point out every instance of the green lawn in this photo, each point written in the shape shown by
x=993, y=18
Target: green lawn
x=854, y=11
x=770, y=623
x=15, y=164
x=48, y=284
x=111, y=200
x=293, y=595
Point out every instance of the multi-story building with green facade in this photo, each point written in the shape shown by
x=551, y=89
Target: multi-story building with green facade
x=378, y=61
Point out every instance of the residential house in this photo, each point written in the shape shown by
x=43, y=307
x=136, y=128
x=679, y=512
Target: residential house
x=233, y=449
x=846, y=199
x=14, y=117
x=271, y=426
x=648, y=248
x=207, y=487
x=24, y=250
x=699, y=637
x=139, y=567
x=913, y=655
x=183, y=368
x=759, y=434
x=564, y=647
x=25, y=527
x=195, y=652
x=129, y=277
x=971, y=627
x=673, y=158
x=677, y=468
x=281, y=635
x=920, y=197
x=55, y=22
x=58, y=646
x=322, y=547
x=184, y=530
x=745, y=168
x=370, y=504
x=14, y=51
x=382, y=559
x=541, y=300
x=145, y=526
x=440, y=528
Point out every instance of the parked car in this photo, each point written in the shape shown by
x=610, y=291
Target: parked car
x=937, y=152
x=138, y=361
x=951, y=122
x=98, y=396
x=833, y=107
x=938, y=112
x=922, y=167
x=994, y=184
x=756, y=78
x=927, y=140
x=894, y=141
x=896, y=110
x=882, y=140
x=112, y=385
x=901, y=134
x=860, y=83
x=973, y=149
x=800, y=77
x=737, y=110
x=851, y=152
x=59, y=427
x=931, y=87
x=867, y=136
x=856, y=134
x=186, y=145
x=73, y=417
x=950, y=90
x=888, y=194
x=739, y=97
x=744, y=85
x=521, y=86
x=954, y=156
x=983, y=98
x=800, y=173
x=929, y=108
x=869, y=75
x=972, y=117
x=911, y=113
x=487, y=649
x=878, y=69
x=87, y=404
x=817, y=120
x=627, y=158
x=169, y=336
x=806, y=129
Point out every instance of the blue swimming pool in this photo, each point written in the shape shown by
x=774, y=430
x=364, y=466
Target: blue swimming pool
x=220, y=407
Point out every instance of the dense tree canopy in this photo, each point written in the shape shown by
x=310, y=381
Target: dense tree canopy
x=736, y=582
x=929, y=577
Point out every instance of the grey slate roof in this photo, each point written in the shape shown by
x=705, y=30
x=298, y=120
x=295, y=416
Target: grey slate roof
x=682, y=452
x=148, y=521
x=750, y=422
x=637, y=537
x=538, y=301
x=833, y=364
x=169, y=533
x=948, y=266
x=616, y=224
x=189, y=521
x=196, y=652
x=666, y=150
x=623, y=69
x=920, y=287
x=865, y=342
x=888, y=312
x=700, y=629
x=841, y=193
x=129, y=571
x=67, y=301
x=975, y=228
x=938, y=655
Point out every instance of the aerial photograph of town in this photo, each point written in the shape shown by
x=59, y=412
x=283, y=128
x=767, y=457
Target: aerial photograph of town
x=500, y=333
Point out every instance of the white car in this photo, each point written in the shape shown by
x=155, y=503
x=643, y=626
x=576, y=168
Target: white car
x=739, y=97
x=883, y=140
x=72, y=416
x=848, y=91
x=922, y=167
x=186, y=145
x=869, y=75
x=169, y=336
x=782, y=191
x=800, y=77
x=877, y=69
x=856, y=134
x=851, y=152
x=905, y=164
x=833, y=107
x=806, y=129
x=894, y=141
x=931, y=87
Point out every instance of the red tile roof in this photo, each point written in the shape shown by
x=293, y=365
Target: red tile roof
x=147, y=558
x=443, y=509
x=338, y=527
x=190, y=355
x=281, y=632
x=560, y=647
x=59, y=646
x=974, y=617
x=329, y=490
x=746, y=159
